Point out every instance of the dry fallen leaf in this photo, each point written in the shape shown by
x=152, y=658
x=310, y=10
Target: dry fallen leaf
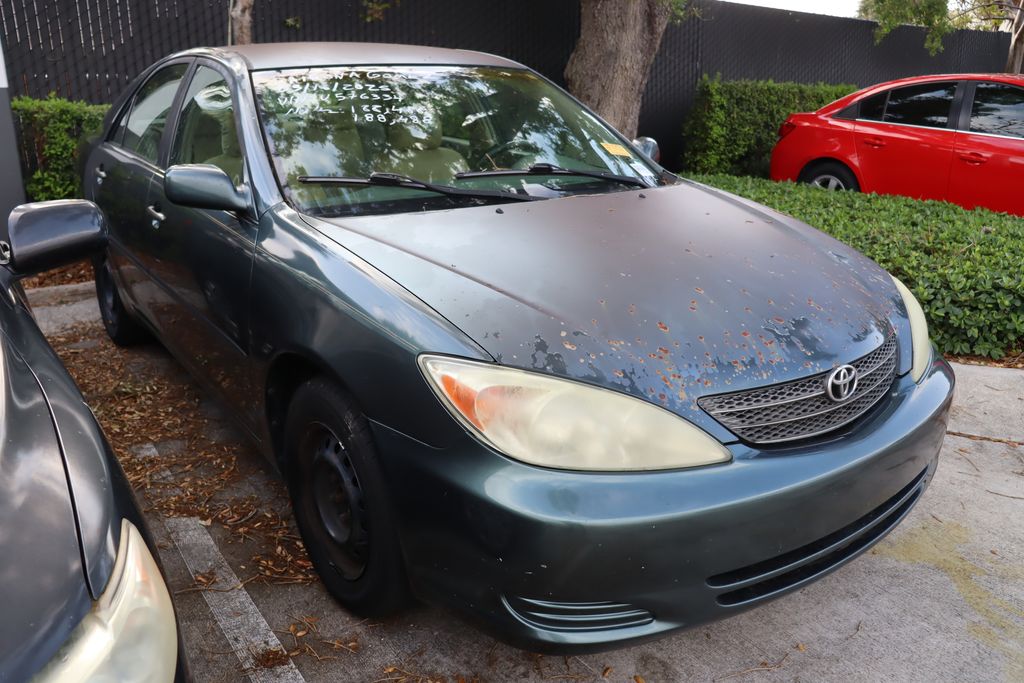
x=142, y=399
x=205, y=578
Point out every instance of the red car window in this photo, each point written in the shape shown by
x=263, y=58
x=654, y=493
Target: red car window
x=998, y=110
x=873, y=108
x=926, y=104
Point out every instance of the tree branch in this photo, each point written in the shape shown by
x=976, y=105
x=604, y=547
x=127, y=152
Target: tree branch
x=1017, y=9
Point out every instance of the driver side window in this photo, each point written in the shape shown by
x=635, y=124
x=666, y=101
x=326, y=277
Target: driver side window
x=206, y=128
x=144, y=125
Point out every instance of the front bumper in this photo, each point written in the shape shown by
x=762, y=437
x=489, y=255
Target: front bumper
x=570, y=562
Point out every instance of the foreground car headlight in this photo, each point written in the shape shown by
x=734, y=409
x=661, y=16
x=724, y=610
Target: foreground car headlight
x=921, y=344
x=130, y=635
x=560, y=423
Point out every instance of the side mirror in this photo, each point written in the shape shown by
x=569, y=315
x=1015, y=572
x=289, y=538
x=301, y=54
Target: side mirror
x=45, y=235
x=204, y=186
x=649, y=146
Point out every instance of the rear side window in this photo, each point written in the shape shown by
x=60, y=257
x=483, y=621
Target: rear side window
x=145, y=123
x=873, y=108
x=998, y=109
x=927, y=104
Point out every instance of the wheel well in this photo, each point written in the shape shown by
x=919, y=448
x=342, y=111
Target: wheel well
x=814, y=163
x=287, y=373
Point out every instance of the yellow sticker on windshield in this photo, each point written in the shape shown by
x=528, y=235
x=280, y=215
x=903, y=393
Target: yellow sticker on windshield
x=616, y=149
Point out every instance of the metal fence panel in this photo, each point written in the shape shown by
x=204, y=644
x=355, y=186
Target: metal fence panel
x=91, y=49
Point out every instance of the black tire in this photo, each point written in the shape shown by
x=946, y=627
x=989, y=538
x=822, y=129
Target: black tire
x=341, y=503
x=830, y=175
x=122, y=328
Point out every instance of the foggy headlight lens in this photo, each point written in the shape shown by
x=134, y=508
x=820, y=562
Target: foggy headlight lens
x=129, y=636
x=559, y=423
x=922, y=345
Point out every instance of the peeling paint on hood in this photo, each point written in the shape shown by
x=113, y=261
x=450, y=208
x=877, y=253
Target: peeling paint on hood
x=668, y=294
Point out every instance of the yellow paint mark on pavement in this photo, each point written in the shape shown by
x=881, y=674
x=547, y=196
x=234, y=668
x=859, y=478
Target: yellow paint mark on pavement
x=1002, y=624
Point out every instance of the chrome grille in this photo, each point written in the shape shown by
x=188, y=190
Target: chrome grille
x=800, y=409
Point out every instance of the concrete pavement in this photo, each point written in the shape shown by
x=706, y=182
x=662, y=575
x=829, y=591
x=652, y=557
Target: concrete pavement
x=940, y=599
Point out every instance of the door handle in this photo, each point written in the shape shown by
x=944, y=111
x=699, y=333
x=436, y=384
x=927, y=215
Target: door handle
x=874, y=142
x=973, y=158
x=154, y=212
x=100, y=174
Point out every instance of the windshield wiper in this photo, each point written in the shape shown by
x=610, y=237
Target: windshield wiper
x=551, y=169
x=399, y=180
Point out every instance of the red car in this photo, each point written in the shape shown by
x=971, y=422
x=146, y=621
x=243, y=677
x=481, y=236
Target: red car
x=959, y=138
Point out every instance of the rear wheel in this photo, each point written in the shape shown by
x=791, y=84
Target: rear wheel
x=830, y=175
x=341, y=503
x=122, y=328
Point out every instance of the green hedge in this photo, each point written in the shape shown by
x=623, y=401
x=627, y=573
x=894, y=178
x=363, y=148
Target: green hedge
x=49, y=134
x=965, y=267
x=734, y=124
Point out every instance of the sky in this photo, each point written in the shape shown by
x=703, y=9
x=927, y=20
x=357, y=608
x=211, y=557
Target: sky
x=838, y=8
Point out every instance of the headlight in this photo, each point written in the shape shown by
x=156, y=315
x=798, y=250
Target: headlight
x=560, y=423
x=922, y=345
x=130, y=635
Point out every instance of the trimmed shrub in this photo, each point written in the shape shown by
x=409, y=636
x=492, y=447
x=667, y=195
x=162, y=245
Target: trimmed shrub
x=49, y=133
x=734, y=124
x=963, y=266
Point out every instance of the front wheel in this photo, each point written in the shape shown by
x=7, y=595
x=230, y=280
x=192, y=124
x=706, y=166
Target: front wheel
x=830, y=175
x=341, y=503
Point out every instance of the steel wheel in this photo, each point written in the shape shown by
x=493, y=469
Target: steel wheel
x=341, y=500
x=339, y=503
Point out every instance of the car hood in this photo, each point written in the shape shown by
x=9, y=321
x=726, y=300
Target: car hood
x=43, y=588
x=668, y=293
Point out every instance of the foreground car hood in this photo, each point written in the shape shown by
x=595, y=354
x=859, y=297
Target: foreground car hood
x=42, y=584
x=668, y=294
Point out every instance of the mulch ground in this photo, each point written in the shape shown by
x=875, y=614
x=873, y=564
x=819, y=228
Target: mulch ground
x=137, y=403
x=75, y=273
x=141, y=396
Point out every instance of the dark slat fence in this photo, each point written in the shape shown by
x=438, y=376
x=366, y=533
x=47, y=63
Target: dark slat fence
x=90, y=49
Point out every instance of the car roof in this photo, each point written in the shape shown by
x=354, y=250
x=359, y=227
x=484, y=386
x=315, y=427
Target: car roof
x=259, y=56
x=1012, y=79
x=1015, y=79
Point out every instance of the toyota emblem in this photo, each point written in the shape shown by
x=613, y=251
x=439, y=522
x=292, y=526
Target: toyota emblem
x=841, y=383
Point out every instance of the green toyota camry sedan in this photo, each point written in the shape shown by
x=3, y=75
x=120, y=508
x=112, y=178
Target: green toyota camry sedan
x=505, y=362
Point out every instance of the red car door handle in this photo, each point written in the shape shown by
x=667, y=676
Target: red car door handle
x=973, y=158
x=874, y=142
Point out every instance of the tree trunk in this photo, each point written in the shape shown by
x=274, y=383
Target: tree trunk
x=609, y=67
x=241, y=22
x=1015, y=59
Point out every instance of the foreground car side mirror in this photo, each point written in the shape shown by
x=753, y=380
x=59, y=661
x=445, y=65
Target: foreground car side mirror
x=204, y=186
x=649, y=146
x=45, y=235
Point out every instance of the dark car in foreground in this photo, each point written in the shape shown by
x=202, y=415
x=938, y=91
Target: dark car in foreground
x=81, y=592
x=958, y=138
x=504, y=361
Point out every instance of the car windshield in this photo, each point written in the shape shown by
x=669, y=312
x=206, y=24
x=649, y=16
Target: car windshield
x=496, y=131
